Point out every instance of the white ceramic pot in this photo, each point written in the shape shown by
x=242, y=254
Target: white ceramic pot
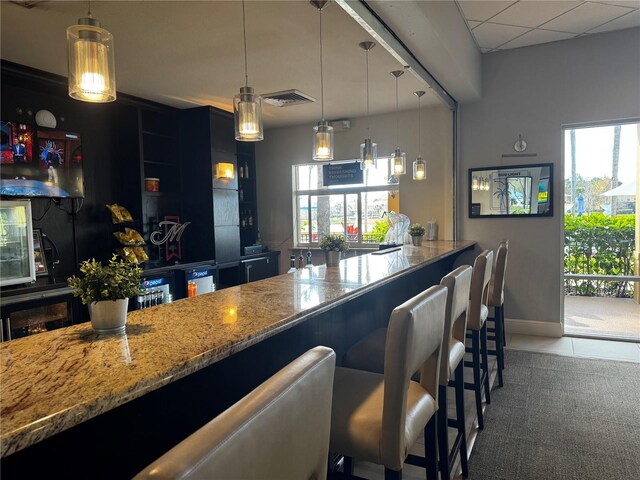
x=332, y=258
x=109, y=316
x=417, y=241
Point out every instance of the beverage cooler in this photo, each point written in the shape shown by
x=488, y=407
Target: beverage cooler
x=157, y=289
x=16, y=243
x=192, y=281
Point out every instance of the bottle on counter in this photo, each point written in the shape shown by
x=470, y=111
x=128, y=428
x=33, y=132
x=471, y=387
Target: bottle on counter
x=300, y=260
x=309, y=259
x=292, y=265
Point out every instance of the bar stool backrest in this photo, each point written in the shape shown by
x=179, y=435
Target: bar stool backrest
x=278, y=431
x=458, y=284
x=414, y=342
x=497, y=278
x=479, y=286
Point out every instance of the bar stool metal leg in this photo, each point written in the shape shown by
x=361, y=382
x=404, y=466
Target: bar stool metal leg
x=430, y=455
x=348, y=466
x=443, y=433
x=460, y=421
x=499, y=336
x=477, y=382
x=485, y=362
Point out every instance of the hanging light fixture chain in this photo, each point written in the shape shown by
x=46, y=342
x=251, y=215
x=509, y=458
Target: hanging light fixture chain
x=244, y=33
x=321, y=72
x=89, y=9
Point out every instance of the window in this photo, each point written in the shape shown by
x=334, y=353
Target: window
x=352, y=210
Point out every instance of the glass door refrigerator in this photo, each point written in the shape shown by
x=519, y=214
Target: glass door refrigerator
x=196, y=280
x=157, y=288
x=16, y=243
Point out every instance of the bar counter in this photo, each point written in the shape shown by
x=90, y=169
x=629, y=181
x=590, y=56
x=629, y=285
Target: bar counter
x=57, y=380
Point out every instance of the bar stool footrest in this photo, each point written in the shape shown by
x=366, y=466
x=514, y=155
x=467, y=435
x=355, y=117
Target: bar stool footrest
x=416, y=460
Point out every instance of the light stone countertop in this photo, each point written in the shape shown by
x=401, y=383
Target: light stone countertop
x=55, y=380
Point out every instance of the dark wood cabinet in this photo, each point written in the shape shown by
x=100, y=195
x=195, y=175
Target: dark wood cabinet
x=260, y=267
x=247, y=197
x=210, y=201
x=159, y=160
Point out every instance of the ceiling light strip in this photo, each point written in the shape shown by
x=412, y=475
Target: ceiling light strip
x=367, y=19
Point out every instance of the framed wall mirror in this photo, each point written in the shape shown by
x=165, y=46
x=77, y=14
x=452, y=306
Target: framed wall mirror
x=512, y=191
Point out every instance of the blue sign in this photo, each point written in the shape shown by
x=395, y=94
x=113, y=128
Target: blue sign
x=200, y=274
x=342, y=174
x=155, y=282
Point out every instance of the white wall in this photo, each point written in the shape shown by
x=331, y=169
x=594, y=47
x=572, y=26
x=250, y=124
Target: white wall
x=535, y=91
x=421, y=201
x=437, y=35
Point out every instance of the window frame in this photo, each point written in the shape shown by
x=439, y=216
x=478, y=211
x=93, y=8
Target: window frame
x=334, y=191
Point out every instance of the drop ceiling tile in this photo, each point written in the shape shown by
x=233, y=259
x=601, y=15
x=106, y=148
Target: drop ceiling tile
x=490, y=35
x=630, y=4
x=472, y=24
x=585, y=17
x=630, y=20
x=532, y=14
x=535, y=37
x=481, y=11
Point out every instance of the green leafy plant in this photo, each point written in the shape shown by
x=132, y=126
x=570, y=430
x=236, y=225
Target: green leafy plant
x=379, y=230
x=597, y=244
x=416, y=230
x=334, y=242
x=117, y=280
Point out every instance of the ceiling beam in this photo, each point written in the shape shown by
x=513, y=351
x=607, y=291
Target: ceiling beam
x=367, y=19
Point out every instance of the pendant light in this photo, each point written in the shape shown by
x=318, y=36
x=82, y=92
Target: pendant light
x=419, y=164
x=322, y=132
x=398, y=159
x=368, y=149
x=247, y=106
x=91, y=66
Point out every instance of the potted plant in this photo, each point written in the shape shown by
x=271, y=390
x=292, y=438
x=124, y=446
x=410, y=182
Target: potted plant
x=417, y=232
x=106, y=290
x=333, y=245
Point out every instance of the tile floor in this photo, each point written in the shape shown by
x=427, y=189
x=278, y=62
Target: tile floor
x=577, y=347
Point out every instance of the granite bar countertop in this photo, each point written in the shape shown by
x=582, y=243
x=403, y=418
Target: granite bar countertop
x=55, y=380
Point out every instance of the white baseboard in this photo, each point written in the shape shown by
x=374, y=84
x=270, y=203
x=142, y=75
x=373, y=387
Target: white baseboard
x=533, y=327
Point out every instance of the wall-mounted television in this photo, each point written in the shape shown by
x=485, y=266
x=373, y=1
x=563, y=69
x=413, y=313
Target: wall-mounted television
x=46, y=163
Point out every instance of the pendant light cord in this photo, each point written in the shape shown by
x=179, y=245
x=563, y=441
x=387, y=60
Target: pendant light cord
x=419, y=128
x=89, y=9
x=397, y=123
x=368, y=119
x=321, y=73
x=244, y=33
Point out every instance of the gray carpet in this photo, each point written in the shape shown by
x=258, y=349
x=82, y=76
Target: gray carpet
x=561, y=418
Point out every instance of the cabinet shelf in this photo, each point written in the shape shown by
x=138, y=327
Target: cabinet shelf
x=157, y=134
x=162, y=164
x=160, y=194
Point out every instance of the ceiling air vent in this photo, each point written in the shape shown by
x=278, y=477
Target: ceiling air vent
x=287, y=98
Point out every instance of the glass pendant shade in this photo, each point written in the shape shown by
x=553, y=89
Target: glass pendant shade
x=90, y=62
x=398, y=162
x=323, y=142
x=419, y=169
x=368, y=153
x=247, y=113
